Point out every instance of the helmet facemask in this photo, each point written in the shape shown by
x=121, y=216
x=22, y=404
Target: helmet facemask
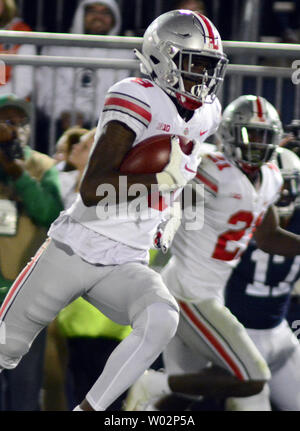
x=198, y=77
x=253, y=146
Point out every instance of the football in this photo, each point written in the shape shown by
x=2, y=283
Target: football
x=152, y=155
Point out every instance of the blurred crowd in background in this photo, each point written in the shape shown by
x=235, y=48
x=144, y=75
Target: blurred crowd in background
x=279, y=21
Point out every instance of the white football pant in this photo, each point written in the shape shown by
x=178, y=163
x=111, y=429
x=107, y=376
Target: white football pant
x=128, y=294
x=211, y=332
x=281, y=350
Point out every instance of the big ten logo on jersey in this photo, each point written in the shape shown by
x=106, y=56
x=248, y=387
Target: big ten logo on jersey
x=164, y=127
x=272, y=166
x=143, y=82
x=219, y=161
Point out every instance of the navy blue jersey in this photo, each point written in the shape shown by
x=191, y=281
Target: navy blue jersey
x=258, y=291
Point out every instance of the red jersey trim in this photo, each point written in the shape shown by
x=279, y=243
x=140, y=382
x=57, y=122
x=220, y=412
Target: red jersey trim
x=17, y=285
x=207, y=182
x=116, y=101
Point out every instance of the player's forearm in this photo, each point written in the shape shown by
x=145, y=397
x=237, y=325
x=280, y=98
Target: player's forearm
x=280, y=242
x=120, y=188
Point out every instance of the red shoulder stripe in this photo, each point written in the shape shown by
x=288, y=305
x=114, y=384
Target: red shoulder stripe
x=117, y=101
x=207, y=182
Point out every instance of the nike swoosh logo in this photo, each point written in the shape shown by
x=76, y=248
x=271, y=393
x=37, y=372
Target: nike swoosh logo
x=189, y=170
x=203, y=133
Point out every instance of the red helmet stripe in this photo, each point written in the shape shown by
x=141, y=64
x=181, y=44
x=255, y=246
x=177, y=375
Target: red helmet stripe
x=260, y=112
x=209, y=29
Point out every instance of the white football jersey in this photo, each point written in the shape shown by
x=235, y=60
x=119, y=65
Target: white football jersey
x=148, y=111
x=231, y=211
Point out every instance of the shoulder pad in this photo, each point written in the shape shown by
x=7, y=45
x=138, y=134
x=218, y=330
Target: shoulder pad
x=136, y=87
x=131, y=98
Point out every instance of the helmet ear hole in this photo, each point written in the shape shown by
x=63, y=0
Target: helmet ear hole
x=154, y=59
x=176, y=58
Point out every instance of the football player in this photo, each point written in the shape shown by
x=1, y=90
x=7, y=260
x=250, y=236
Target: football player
x=258, y=294
x=241, y=185
x=104, y=259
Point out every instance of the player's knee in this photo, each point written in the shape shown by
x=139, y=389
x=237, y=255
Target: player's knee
x=164, y=323
x=157, y=324
x=238, y=338
x=258, y=368
x=11, y=353
x=8, y=362
x=169, y=322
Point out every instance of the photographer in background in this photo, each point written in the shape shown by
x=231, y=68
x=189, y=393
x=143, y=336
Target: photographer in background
x=29, y=202
x=80, y=96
